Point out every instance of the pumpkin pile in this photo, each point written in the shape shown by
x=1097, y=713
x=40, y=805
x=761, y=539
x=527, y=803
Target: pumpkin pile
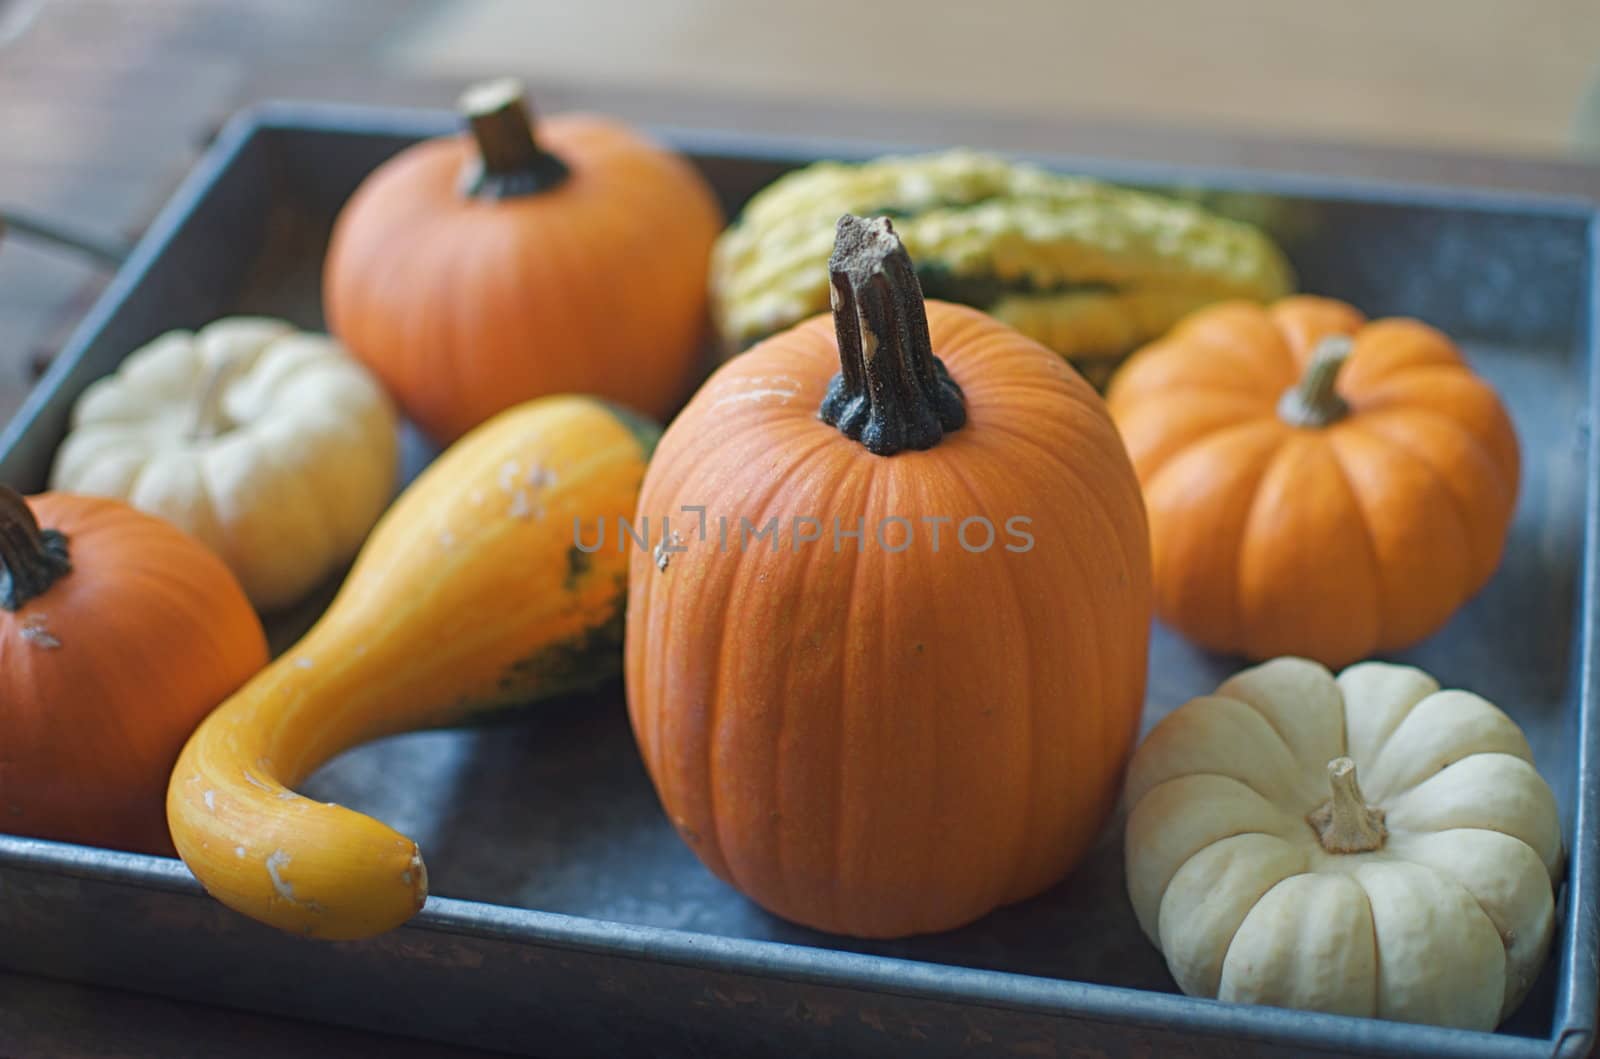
x=891, y=676
x=269, y=455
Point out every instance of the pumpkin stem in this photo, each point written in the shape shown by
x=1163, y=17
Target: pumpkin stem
x=210, y=421
x=31, y=559
x=1345, y=823
x=1314, y=402
x=510, y=162
x=891, y=393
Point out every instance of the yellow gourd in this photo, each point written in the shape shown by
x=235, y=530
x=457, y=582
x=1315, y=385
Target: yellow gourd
x=472, y=593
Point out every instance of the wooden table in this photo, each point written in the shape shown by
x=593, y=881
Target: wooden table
x=41, y=1019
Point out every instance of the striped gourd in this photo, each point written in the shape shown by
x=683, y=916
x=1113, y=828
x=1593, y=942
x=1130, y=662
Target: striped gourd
x=1089, y=269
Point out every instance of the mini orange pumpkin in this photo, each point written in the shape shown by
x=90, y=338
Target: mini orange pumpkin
x=1317, y=485
x=472, y=273
x=118, y=633
x=895, y=732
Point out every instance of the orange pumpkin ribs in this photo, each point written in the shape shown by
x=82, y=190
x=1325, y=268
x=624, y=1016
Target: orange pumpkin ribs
x=890, y=735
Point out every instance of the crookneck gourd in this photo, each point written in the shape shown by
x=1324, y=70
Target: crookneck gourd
x=1318, y=484
x=471, y=594
x=1366, y=845
x=886, y=656
x=118, y=633
x=1088, y=269
x=474, y=272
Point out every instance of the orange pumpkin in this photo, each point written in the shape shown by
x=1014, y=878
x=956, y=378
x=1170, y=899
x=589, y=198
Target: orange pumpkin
x=1318, y=485
x=472, y=273
x=896, y=732
x=118, y=633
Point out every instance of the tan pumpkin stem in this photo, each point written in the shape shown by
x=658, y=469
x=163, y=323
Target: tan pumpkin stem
x=31, y=559
x=510, y=162
x=1345, y=823
x=1314, y=401
x=891, y=393
x=210, y=420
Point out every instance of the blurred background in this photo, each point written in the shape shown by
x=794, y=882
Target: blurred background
x=105, y=103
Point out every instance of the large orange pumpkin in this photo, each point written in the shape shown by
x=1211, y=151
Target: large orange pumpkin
x=892, y=733
x=1317, y=485
x=118, y=633
x=472, y=273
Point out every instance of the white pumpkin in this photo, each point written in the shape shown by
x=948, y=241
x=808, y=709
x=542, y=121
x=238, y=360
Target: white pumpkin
x=1369, y=845
x=271, y=445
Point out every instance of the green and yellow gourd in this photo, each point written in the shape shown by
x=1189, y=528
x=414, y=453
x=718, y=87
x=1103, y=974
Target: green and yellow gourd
x=1087, y=269
x=473, y=593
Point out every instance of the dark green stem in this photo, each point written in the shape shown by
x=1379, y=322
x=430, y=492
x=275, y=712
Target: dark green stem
x=891, y=393
x=510, y=162
x=31, y=559
x=1314, y=401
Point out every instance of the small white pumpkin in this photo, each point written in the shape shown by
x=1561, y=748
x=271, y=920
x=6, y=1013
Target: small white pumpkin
x=271, y=445
x=1267, y=875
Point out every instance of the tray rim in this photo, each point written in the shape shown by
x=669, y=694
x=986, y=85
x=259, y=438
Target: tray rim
x=1575, y=1015
x=834, y=968
x=370, y=119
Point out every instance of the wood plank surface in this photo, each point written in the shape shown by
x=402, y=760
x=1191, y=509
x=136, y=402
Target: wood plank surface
x=1471, y=74
x=42, y=1019
x=104, y=105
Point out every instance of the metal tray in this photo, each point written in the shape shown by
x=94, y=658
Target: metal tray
x=571, y=920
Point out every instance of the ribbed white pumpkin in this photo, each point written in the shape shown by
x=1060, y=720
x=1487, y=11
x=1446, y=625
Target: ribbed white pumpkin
x=1366, y=845
x=273, y=446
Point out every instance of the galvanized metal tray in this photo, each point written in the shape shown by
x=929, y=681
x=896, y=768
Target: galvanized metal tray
x=570, y=919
